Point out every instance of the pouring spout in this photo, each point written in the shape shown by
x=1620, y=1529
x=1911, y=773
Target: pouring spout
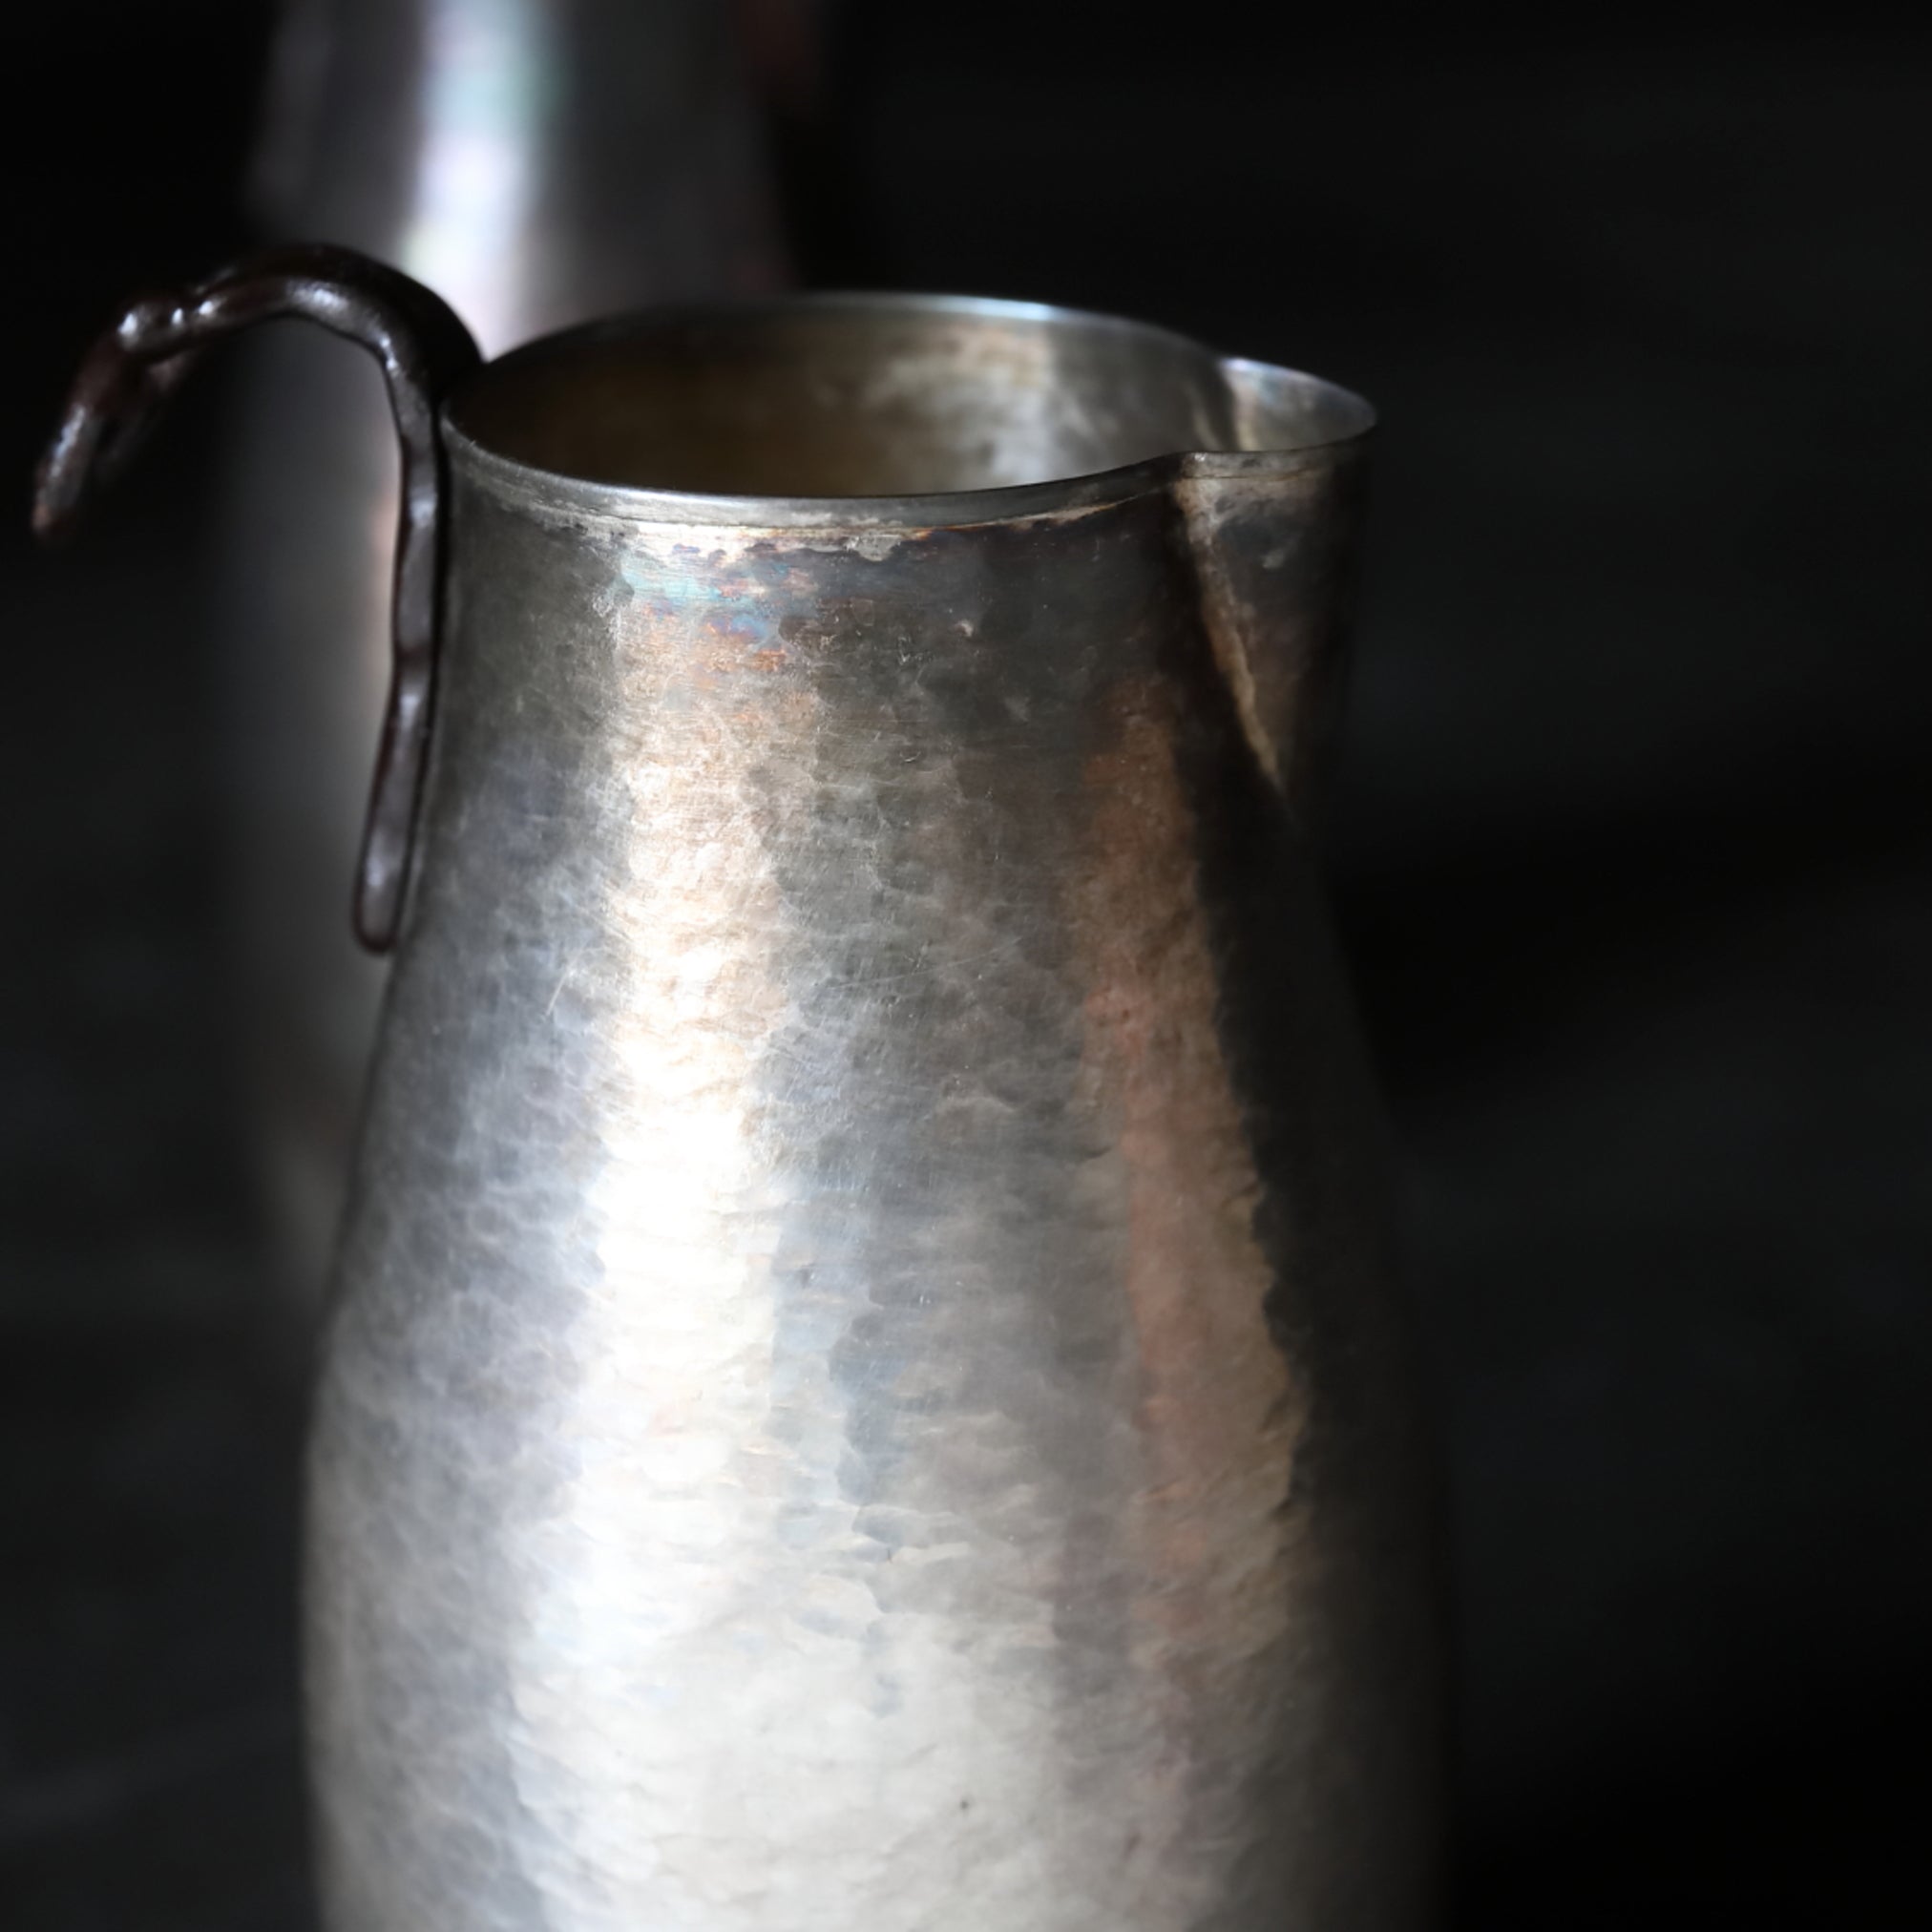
x=1272, y=527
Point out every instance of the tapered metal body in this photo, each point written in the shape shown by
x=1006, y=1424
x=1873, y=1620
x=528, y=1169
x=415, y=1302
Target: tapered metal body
x=863, y=1389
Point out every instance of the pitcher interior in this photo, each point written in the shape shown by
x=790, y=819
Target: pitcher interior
x=879, y=397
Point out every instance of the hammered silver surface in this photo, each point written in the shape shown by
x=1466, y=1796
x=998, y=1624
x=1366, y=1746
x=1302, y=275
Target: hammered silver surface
x=863, y=1390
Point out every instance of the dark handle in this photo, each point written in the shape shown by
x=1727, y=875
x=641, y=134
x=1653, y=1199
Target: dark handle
x=424, y=349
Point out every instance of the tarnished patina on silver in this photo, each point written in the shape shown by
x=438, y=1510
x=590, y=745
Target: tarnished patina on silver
x=863, y=1391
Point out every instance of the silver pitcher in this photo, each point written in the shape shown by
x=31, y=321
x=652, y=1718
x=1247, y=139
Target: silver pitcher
x=863, y=1389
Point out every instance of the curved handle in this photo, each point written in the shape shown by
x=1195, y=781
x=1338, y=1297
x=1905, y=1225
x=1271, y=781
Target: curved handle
x=424, y=350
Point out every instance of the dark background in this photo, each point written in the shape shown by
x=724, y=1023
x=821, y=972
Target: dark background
x=1632, y=844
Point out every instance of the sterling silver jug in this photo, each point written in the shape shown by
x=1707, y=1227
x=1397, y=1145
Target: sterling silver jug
x=862, y=1389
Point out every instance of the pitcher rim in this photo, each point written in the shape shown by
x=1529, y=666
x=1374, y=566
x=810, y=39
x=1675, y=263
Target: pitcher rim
x=537, y=485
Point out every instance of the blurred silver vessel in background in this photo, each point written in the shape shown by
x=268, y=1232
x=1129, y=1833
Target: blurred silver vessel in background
x=539, y=163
